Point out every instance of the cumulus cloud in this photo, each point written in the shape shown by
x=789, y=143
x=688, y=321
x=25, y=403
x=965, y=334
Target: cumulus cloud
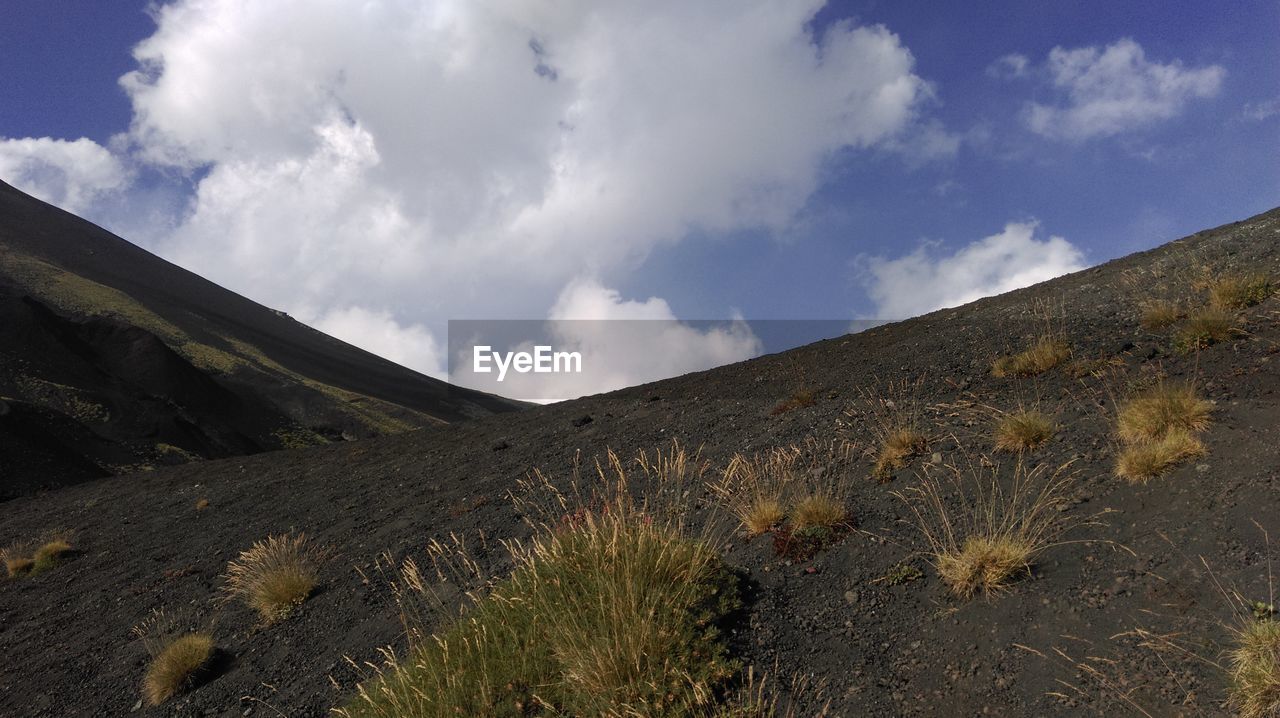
x=924, y=280
x=1011, y=65
x=1107, y=91
x=70, y=174
x=379, y=332
x=471, y=157
x=423, y=152
x=621, y=342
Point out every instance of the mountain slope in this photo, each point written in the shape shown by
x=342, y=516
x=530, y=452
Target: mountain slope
x=882, y=647
x=116, y=359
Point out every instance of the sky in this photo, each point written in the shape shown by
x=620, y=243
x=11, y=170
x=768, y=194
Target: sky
x=377, y=169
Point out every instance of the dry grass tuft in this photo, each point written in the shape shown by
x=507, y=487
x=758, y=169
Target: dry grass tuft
x=609, y=613
x=1204, y=328
x=800, y=399
x=202, y=504
x=1238, y=291
x=275, y=575
x=17, y=559
x=177, y=657
x=1161, y=314
x=1152, y=458
x=1153, y=413
x=892, y=413
x=1023, y=430
x=1046, y=353
x=1254, y=666
x=819, y=510
x=50, y=554
x=757, y=490
x=897, y=447
x=984, y=531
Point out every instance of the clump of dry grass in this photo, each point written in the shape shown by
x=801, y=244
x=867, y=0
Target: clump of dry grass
x=275, y=575
x=17, y=558
x=1205, y=327
x=1254, y=667
x=1023, y=430
x=819, y=510
x=202, y=504
x=1151, y=458
x=1161, y=314
x=32, y=557
x=756, y=490
x=982, y=530
x=799, y=399
x=609, y=613
x=1158, y=429
x=1047, y=352
x=177, y=657
x=1168, y=405
x=892, y=412
x=1238, y=291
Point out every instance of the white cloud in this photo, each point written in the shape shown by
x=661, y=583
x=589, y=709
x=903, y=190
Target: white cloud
x=404, y=162
x=1261, y=110
x=923, y=281
x=1011, y=65
x=1107, y=91
x=622, y=343
x=69, y=174
x=418, y=155
x=379, y=332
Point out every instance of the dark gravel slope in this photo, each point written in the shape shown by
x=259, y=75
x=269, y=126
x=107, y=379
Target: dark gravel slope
x=880, y=649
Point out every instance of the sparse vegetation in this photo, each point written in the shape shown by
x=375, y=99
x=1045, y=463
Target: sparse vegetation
x=50, y=554
x=202, y=504
x=756, y=490
x=800, y=399
x=1023, y=430
x=1203, y=328
x=1152, y=458
x=177, y=658
x=1238, y=291
x=1046, y=353
x=897, y=447
x=1168, y=405
x=1158, y=429
x=818, y=510
x=900, y=574
x=893, y=415
x=275, y=575
x=1254, y=666
x=610, y=613
x=17, y=559
x=31, y=557
x=1160, y=314
x=996, y=530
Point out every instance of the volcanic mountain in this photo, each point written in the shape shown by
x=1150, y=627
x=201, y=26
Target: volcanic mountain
x=114, y=360
x=1153, y=540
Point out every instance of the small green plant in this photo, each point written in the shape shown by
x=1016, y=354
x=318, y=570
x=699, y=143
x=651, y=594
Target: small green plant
x=900, y=574
x=274, y=576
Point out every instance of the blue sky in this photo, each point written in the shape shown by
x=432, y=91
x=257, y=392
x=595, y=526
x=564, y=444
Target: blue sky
x=379, y=171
